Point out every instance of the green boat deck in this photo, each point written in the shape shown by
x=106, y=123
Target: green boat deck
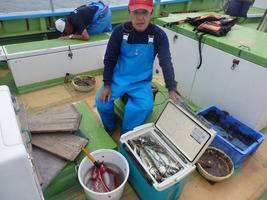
x=248, y=182
x=241, y=41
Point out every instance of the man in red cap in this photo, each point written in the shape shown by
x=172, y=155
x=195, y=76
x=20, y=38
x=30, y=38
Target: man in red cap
x=128, y=69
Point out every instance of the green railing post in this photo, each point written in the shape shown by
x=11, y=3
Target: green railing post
x=43, y=25
x=157, y=8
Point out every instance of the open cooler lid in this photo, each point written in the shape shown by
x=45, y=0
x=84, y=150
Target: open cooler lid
x=184, y=131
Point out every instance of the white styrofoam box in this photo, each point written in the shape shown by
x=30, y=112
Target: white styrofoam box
x=17, y=176
x=51, y=63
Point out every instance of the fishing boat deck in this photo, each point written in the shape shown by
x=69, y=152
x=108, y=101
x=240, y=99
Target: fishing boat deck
x=248, y=182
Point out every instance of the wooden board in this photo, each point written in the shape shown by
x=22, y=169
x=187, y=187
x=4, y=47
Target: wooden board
x=64, y=145
x=56, y=119
x=47, y=165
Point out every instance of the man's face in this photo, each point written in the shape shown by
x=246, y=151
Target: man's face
x=140, y=19
x=68, y=29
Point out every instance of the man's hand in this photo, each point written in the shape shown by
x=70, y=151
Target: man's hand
x=175, y=96
x=83, y=36
x=67, y=37
x=105, y=94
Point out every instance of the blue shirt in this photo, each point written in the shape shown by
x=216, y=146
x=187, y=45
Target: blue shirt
x=161, y=49
x=81, y=17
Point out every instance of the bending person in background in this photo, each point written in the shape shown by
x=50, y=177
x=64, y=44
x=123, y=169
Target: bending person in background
x=84, y=21
x=128, y=68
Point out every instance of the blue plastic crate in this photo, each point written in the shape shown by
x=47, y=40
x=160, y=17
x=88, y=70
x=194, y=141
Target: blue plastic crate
x=235, y=138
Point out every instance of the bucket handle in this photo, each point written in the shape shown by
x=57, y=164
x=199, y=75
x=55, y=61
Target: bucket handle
x=76, y=168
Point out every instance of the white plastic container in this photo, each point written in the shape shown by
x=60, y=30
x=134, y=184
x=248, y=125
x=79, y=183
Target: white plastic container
x=18, y=178
x=108, y=156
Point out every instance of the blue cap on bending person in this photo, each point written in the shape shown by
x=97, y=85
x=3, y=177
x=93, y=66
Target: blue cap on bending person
x=60, y=25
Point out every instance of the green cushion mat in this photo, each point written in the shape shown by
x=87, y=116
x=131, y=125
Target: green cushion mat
x=98, y=139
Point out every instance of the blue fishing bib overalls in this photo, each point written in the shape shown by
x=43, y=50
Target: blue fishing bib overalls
x=132, y=75
x=101, y=21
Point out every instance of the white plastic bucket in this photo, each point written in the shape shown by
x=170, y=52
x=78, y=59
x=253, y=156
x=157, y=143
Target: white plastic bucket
x=108, y=156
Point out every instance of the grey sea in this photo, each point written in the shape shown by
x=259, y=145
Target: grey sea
x=9, y=6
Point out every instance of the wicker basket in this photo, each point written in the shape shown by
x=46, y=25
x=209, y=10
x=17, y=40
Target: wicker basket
x=83, y=83
x=223, y=156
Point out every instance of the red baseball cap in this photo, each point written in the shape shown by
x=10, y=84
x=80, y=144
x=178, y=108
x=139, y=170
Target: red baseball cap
x=141, y=4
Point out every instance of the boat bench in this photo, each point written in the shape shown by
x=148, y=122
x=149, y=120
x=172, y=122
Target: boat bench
x=39, y=64
x=98, y=139
x=161, y=100
x=242, y=42
x=255, y=12
x=233, y=71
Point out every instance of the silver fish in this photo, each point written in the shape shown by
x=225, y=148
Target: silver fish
x=155, y=157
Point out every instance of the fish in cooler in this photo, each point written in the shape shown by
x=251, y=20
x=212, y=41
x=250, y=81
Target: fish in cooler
x=155, y=157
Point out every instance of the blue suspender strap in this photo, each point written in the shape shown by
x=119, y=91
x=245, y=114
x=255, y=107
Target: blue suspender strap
x=102, y=11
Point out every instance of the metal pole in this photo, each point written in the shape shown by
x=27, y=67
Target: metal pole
x=157, y=8
x=52, y=5
x=263, y=24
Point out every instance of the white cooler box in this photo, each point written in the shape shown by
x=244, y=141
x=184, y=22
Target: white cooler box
x=179, y=138
x=18, y=180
